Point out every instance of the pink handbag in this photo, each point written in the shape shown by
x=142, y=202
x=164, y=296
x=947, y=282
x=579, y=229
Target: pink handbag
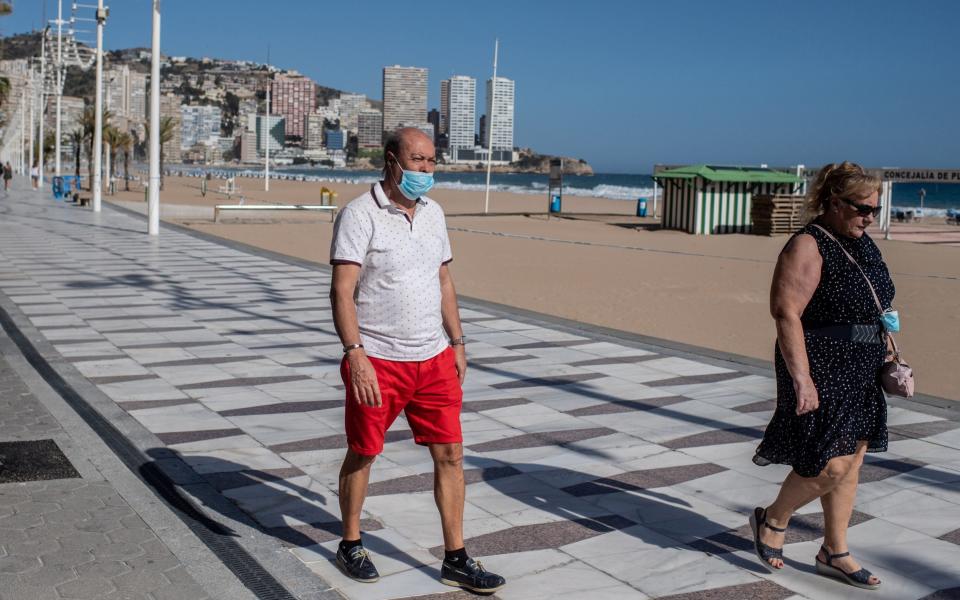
x=896, y=376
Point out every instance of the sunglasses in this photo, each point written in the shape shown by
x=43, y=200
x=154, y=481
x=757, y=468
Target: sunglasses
x=864, y=209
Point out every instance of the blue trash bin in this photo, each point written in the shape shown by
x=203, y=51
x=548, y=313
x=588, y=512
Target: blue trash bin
x=555, y=204
x=641, y=207
x=56, y=185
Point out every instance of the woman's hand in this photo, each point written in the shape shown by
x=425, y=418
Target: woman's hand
x=808, y=400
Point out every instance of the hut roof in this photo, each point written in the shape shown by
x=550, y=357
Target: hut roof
x=736, y=174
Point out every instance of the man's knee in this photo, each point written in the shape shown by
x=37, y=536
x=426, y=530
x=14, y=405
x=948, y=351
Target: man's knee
x=358, y=462
x=448, y=456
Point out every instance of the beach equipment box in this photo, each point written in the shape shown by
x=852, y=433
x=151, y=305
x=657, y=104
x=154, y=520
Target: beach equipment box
x=704, y=199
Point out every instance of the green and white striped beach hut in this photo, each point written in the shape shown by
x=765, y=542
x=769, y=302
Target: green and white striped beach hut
x=704, y=199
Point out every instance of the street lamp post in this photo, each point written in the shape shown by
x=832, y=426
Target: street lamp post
x=43, y=81
x=98, y=108
x=153, y=204
x=59, y=83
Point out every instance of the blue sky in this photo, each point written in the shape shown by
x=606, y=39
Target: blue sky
x=623, y=84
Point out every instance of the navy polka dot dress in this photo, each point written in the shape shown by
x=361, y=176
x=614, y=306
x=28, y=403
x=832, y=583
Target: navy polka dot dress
x=845, y=373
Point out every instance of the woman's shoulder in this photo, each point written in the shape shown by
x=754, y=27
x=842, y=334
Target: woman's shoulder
x=803, y=244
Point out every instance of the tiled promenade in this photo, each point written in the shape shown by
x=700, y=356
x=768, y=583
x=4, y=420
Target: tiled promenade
x=597, y=466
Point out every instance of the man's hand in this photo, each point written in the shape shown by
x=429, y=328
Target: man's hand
x=460, y=358
x=808, y=400
x=363, y=379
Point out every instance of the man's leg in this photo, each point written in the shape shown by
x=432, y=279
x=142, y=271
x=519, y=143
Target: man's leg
x=448, y=491
x=354, y=477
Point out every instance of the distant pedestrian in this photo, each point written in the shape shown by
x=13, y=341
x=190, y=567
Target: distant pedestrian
x=7, y=176
x=831, y=346
x=35, y=176
x=403, y=348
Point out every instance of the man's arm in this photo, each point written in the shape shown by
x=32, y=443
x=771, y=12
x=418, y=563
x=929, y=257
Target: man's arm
x=363, y=378
x=451, y=318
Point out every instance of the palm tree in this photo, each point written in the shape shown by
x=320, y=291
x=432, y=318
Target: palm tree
x=110, y=137
x=77, y=138
x=124, y=142
x=6, y=8
x=167, y=125
x=88, y=122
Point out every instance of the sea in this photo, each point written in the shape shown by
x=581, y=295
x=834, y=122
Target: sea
x=940, y=197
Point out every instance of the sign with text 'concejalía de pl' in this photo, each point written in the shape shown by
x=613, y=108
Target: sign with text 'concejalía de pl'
x=921, y=175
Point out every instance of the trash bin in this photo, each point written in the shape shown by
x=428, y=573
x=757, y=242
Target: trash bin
x=555, y=204
x=641, y=207
x=57, y=186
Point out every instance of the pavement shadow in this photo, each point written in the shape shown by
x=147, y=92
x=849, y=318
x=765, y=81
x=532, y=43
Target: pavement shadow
x=273, y=496
x=654, y=507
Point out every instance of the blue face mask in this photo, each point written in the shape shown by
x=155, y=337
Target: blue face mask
x=891, y=320
x=414, y=184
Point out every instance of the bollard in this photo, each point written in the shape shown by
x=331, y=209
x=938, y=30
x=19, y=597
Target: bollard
x=641, y=207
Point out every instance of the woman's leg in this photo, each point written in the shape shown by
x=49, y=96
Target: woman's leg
x=797, y=492
x=837, y=509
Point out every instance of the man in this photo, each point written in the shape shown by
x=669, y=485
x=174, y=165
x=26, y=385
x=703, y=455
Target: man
x=395, y=310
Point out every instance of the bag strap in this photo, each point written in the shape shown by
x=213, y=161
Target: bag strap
x=896, y=350
x=855, y=263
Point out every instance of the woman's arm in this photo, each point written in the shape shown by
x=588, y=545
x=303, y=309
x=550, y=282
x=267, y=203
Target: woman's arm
x=795, y=279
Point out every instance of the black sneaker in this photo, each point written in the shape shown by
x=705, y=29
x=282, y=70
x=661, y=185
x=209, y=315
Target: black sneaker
x=356, y=564
x=471, y=576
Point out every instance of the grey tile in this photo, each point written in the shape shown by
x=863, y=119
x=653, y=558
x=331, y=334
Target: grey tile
x=213, y=360
x=692, y=379
x=131, y=317
x=128, y=406
x=761, y=406
x=621, y=406
x=547, y=381
x=715, y=436
x=153, y=329
x=535, y=345
x=644, y=479
x=760, y=590
x=921, y=430
x=243, y=382
x=282, y=407
x=481, y=405
x=182, y=437
x=423, y=482
x=547, y=438
x=172, y=345
x=527, y=538
x=121, y=378
x=615, y=360
x=878, y=470
x=93, y=358
x=235, y=479
x=496, y=360
x=332, y=442
x=273, y=331
x=947, y=594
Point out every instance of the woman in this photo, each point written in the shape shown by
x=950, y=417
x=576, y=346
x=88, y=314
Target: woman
x=7, y=176
x=830, y=349
x=35, y=176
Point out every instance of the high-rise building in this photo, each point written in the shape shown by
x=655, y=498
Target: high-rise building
x=461, y=113
x=499, y=114
x=404, y=97
x=293, y=98
x=433, y=117
x=336, y=139
x=277, y=128
x=444, y=106
x=199, y=125
x=248, y=146
x=313, y=136
x=125, y=93
x=350, y=107
x=369, y=128
x=170, y=107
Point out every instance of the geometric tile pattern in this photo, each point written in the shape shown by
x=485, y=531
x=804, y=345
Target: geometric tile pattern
x=594, y=466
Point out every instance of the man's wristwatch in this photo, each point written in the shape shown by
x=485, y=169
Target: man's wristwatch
x=350, y=347
x=460, y=341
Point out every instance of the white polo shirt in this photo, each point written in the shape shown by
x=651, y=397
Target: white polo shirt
x=398, y=294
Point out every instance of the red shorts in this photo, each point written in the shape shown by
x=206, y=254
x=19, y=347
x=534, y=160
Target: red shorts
x=428, y=392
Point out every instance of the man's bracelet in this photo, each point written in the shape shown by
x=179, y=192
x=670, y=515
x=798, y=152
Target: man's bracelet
x=460, y=341
x=350, y=347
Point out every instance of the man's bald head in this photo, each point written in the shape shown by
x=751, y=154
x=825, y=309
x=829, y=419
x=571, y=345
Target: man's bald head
x=402, y=139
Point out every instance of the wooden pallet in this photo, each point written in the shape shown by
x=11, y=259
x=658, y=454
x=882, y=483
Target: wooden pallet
x=774, y=214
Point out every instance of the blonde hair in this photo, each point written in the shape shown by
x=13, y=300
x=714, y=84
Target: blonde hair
x=840, y=180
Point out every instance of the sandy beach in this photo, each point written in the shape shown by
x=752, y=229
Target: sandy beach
x=615, y=271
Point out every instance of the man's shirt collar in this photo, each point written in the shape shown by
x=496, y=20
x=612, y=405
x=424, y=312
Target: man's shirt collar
x=384, y=202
